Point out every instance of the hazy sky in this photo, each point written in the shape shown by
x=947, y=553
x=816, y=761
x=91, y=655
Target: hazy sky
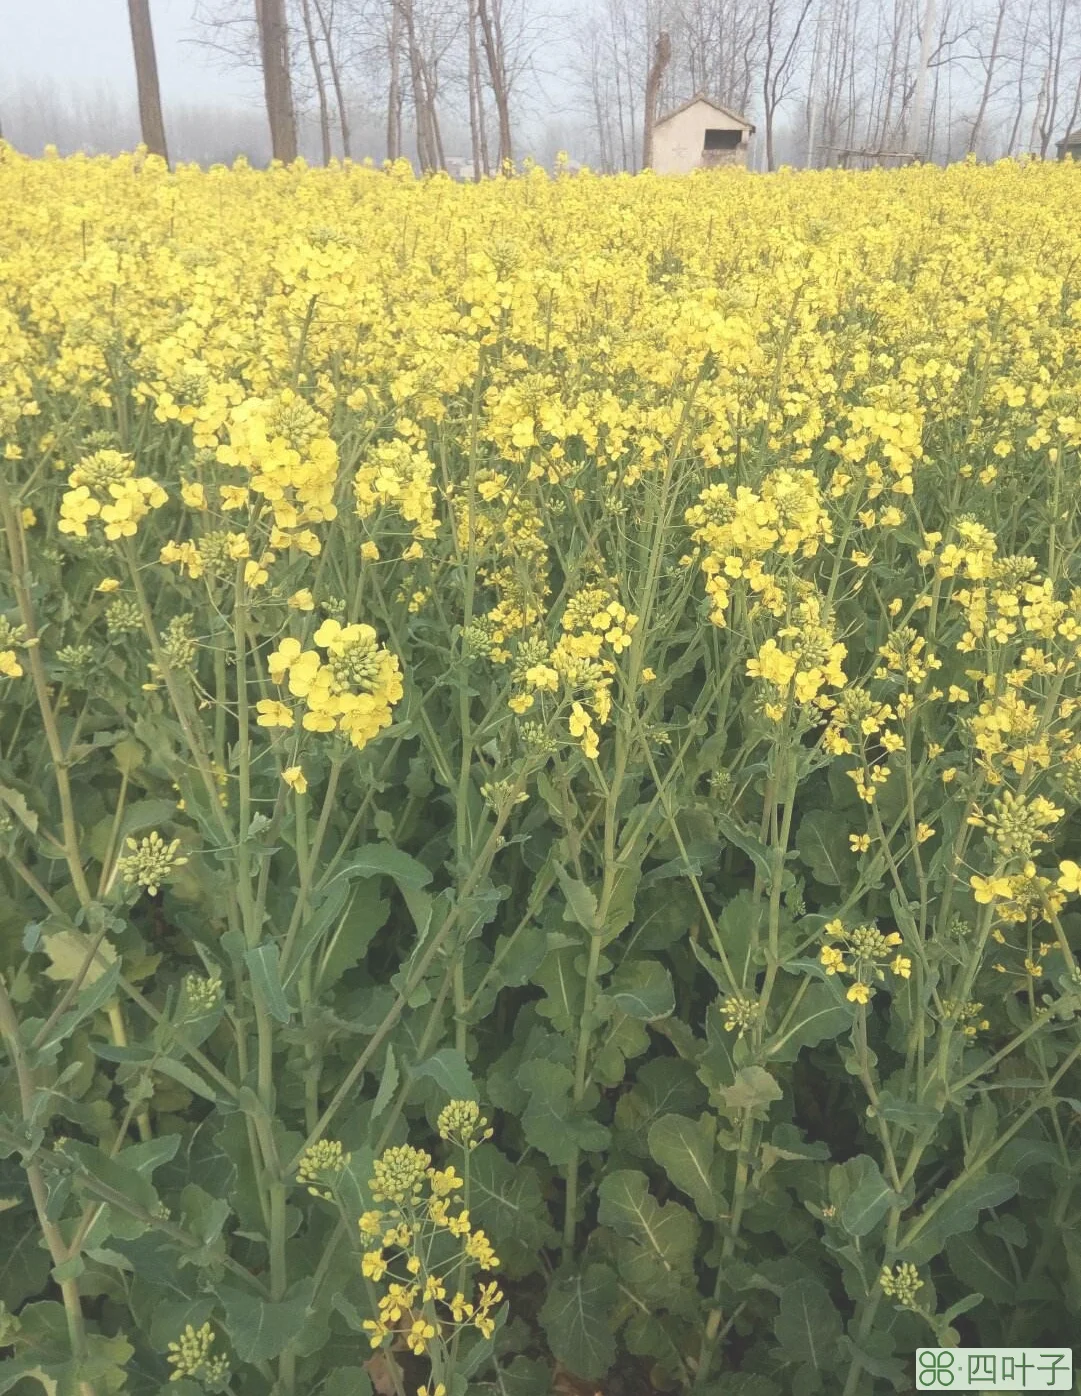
x=86, y=44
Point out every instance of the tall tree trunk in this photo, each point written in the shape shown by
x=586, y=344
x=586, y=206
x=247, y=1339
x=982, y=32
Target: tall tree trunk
x=277, y=83
x=985, y=95
x=394, y=90
x=320, y=85
x=476, y=109
x=426, y=152
x=440, y=162
x=492, y=37
x=662, y=55
x=335, y=77
x=918, y=142
x=146, y=76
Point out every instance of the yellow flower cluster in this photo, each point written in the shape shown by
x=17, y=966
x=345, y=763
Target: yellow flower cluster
x=105, y=488
x=421, y=1249
x=862, y=952
x=350, y=688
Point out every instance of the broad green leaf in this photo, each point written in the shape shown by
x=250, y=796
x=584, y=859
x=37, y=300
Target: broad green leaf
x=643, y=989
x=68, y=952
x=952, y=1214
x=24, y=1262
x=19, y=1369
x=577, y=1318
x=384, y=859
x=684, y=1148
x=820, y=1014
x=450, y=1071
x=754, y=1089
x=353, y=931
x=191, y=1080
x=620, y=1040
x=348, y=1381
x=114, y=1173
x=669, y=1233
x=262, y=963
x=620, y=911
x=259, y=1330
x=550, y=1121
x=808, y=1325
x=663, y=1086
x=204, y=1216
x=743, y=839
x=870, y=1198
x=564, y=987
x=507, y=1200
x=581, y=903
x=823, y=848
x=983, y=1263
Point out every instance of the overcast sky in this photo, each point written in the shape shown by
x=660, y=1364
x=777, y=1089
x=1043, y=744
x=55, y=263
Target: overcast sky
x=86, y=44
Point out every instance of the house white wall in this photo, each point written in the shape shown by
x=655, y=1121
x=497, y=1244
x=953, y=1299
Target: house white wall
x=677, y=143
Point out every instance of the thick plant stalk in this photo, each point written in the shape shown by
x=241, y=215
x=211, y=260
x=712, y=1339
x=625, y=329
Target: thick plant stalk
x=58, y=1251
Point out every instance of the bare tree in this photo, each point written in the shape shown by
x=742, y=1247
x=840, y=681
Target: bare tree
x=146, y=77
x=478, y=138
x=491, y=30
x=273, y=31
x=326, y=13
x=990, y=69
x=320, y=84
x=662, y=56
x=394, y=88
x=785, y=20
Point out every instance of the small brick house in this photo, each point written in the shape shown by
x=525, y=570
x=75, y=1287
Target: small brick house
x=700, y=135
x=1070, y=146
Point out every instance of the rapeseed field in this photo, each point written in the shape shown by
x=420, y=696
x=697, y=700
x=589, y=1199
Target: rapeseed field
x=540, y=766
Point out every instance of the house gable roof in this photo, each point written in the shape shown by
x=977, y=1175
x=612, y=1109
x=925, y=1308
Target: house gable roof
x=709, y=102
x=1070, y=140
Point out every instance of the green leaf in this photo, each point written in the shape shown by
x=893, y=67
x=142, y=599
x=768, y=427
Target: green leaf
x=983, y=1263
x=808, y=1325
x=347, y=1381
x=684, y=1148
x=450, y=1071
x=508, y=1201
x=643, y=989
x=168, y=1066
x=957, y=1212
x=870, y=1198
x=550, y=1122
x=668, y=1233
x=24, y=1262
x=577, y=1318
x=19, y=1369
x=823, y=848
x=383, y=859
x=743, y=839
x=564, y=987
x=388, y=1084
x=754, y=1089
x=581, y=903
x=820, y=1014
x=262, y=963
x=16, y=803
x=259, y=1330
x=68, y=952
x=204, y=1216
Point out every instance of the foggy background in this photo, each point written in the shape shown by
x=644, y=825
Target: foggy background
x=941, y=78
